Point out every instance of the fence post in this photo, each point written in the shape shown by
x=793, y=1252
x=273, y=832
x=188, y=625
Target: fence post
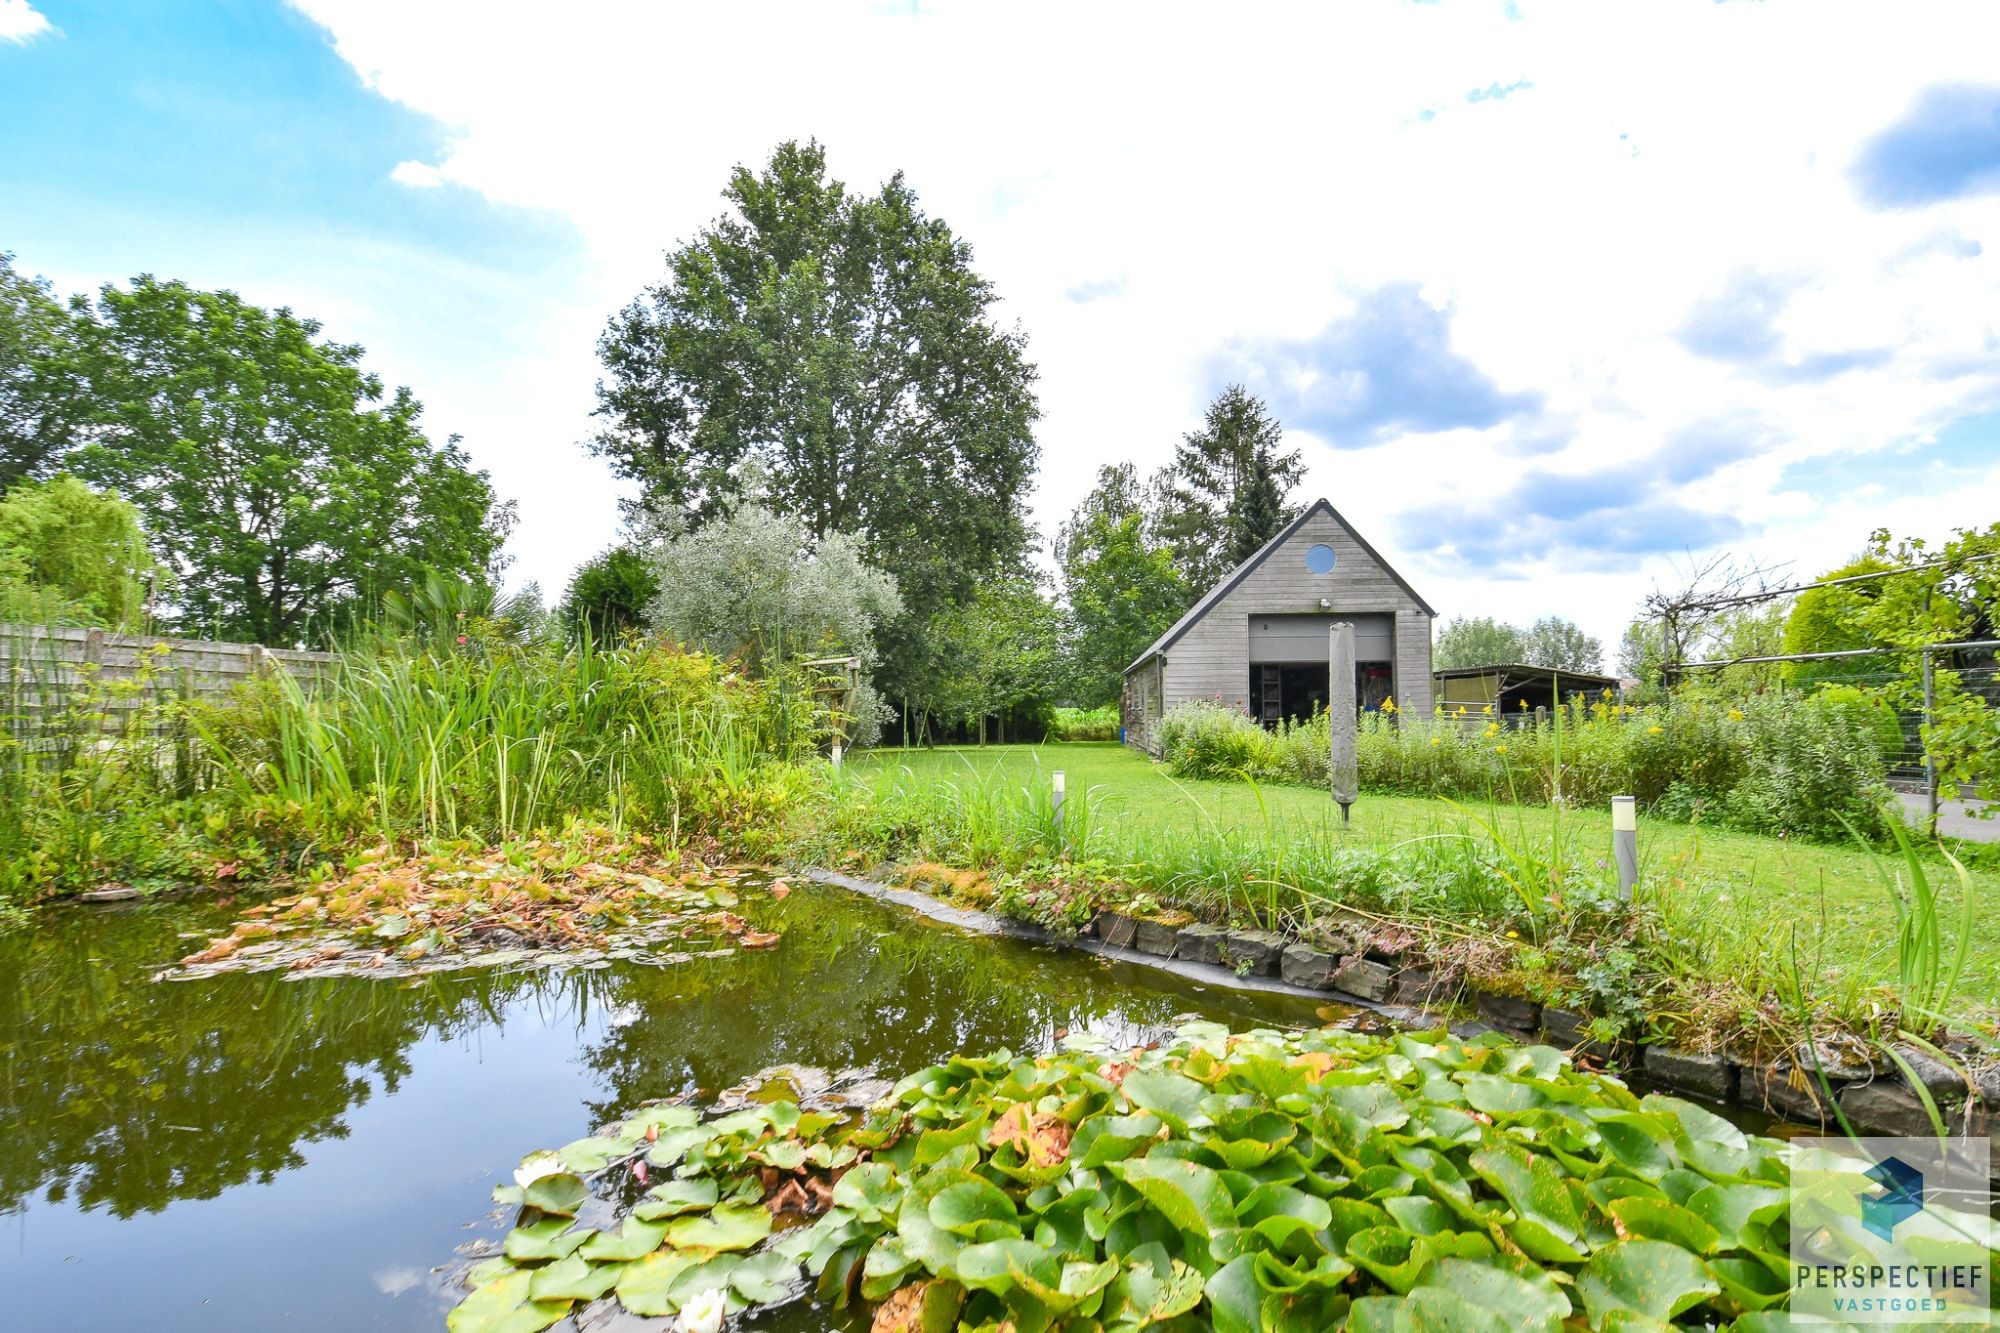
x=1056, y=803
x=1625, y=843
x=1343, y=717
x=1924, y=738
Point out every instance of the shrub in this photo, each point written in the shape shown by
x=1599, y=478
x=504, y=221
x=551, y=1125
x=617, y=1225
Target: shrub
x=1085, y=724
x=1810, y=772
x=1793, y=764
x=1207, y=740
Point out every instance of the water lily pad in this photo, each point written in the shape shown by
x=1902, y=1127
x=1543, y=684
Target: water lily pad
x=1649, y=1277
x=1656, y=1219
x=676, y=1197
x=645, y=1285
x=550, y=1238
x=869, y=1191
x=635, y=1239
x=1531, y=1304
x=1189, y=1195
x=765, y=1277
x=1173, y=1097
x=595, y=1153
x=974, y=1208
x=573, y=1278
x=561, y=1194
x=730, y=1226
x=503, y=1306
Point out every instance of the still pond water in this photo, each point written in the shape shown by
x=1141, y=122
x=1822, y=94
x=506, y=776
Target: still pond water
x=248, y=1152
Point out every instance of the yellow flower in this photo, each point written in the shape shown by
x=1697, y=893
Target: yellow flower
x=1513, y=934
x=1523, y=705
x=1488, y=710
x=1436, y=741
x=1460, y=712
x=1654, y=731
x=1735, y=715
x=1499, y=749
x=1389, y=705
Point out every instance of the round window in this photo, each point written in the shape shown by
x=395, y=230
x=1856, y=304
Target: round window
x=1320, y=559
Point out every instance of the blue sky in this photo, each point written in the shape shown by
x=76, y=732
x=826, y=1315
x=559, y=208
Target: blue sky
x=1554, y=297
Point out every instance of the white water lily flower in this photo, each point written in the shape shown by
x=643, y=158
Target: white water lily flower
x=704, y=1313
x=536, y=1165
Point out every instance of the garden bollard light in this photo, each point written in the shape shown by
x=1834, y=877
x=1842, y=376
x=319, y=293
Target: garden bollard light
x=1058, y=805
x=1625, y=843
x=836, y=756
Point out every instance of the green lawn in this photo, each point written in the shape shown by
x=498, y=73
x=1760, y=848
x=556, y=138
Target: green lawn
x=1756, y=887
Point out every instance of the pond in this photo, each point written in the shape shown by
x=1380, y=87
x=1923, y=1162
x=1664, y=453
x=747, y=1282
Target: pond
x=250, y=1152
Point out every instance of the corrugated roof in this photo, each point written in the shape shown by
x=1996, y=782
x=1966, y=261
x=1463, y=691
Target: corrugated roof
x=1244, y=570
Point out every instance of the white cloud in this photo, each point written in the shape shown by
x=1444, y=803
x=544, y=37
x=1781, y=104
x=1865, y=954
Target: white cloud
x=21, y=22
x=420, y=174
x=1210, y=182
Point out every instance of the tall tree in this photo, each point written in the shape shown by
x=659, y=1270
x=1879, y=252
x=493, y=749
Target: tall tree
x=39, y=402
x=1555, y=642
x=1471, y=641
x=1230, y=487
x=845, y=342
x=1121, y=583
x=284, y=490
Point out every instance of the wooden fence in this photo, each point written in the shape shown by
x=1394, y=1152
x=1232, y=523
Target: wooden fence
x=44, y=670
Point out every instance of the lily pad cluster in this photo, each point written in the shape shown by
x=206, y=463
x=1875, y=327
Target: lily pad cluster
x=1262, y=1181
x=530, y=904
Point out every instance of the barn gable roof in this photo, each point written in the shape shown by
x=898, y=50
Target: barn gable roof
x=1244, y=570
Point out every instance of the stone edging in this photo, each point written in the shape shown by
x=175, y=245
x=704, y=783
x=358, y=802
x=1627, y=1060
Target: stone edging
x=1875, y=1101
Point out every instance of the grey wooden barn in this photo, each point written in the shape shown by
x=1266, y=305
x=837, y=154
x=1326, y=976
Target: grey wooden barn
x=1258, y=640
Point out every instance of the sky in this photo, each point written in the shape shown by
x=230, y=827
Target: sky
x=1556, y=299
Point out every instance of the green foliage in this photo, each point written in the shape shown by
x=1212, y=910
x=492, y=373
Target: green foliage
x=72, y=556
x=1561, y=644
x=1827, y=620
x=759, y=586
x=844, y=341
x=1641, y=652
x=1794, y=765
x=1003, y=650
x=1229, y=490
x=1120, y=580
x=287, y=496
x=1201, y=739
x=40, y=409
x=608, y=596
x=1085, y=724
x=1471, y=641
x=485, y=739
x=1953, y=603
x=1264, y=1181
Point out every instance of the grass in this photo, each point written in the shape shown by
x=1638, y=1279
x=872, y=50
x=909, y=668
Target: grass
x=1741, y=893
